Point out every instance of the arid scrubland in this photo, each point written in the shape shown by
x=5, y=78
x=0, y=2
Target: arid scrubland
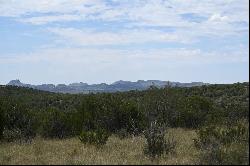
x=116, y=151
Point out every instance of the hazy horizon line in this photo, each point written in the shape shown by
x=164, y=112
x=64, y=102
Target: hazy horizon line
x=112, y=82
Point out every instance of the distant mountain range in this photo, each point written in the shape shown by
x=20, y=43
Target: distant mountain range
x=121, y=86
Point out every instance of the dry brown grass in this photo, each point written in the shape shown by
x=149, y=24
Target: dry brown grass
x=116, y=151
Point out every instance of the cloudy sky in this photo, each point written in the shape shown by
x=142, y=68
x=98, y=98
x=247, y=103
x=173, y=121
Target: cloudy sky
x=94, y=41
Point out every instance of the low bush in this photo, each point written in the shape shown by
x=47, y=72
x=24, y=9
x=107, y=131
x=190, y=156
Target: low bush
x=98, y=137
x=12, y=135
x=17, y=121
x=194, y=111
x=224, y=144
x=57, y=124
x=158, y=142
x=16, y=135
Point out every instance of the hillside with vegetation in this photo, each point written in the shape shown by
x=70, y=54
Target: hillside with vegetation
x=172, y=125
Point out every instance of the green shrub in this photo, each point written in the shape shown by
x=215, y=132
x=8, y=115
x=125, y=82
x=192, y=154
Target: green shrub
x=110, y=112
x=98, y=137
x=194, y=111
x=18, y=118
x=224, y=144
x=130, y=118
x=158, y=142
x=12, y=135
x=1, y=122
x=57, y=124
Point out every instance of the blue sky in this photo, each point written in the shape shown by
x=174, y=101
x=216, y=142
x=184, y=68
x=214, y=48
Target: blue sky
x=95, y=41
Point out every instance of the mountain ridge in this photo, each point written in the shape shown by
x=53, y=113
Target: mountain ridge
x=118, y=86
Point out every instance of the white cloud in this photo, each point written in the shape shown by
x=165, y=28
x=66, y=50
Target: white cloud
x=46, y=19
x=158, y=12
x=91, y=37
x=121, y=57
x=222, y=16
x=218, y=18
x=17, y=8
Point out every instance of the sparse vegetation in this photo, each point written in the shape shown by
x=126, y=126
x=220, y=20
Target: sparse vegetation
x=116, y=151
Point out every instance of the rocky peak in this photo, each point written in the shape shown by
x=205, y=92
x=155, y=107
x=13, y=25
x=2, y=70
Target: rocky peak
x=15, y=83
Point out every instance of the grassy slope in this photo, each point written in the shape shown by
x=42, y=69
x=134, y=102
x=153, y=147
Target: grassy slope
x=116, y=151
